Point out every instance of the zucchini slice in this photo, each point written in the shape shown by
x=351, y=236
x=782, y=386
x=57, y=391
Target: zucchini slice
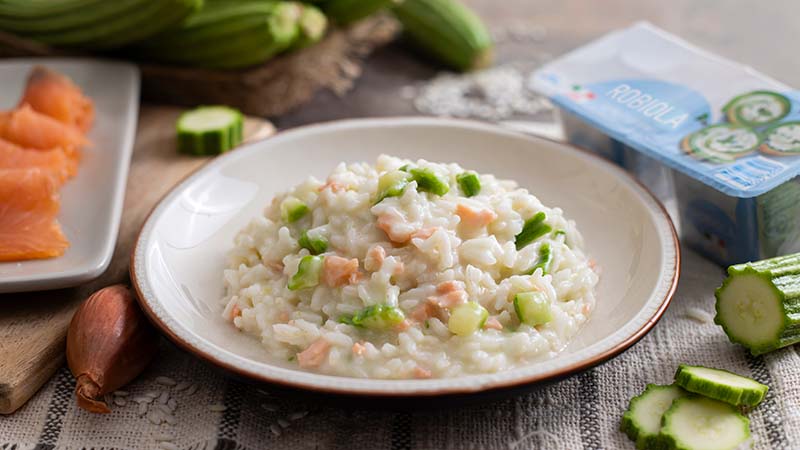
x=467, y=318
x=758, y=305
x=532, y=308
x=699, y=423
x=209, y=130
x=308, y=273
x=533, y=229
x=469, y=183
x=721, y=385
x=642, y=421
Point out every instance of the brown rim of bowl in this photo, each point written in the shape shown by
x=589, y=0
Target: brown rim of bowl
x=550, y=376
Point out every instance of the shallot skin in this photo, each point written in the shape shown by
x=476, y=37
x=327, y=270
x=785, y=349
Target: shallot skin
x=109, y=343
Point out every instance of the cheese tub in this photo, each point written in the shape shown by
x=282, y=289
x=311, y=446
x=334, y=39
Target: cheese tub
x=719, y=140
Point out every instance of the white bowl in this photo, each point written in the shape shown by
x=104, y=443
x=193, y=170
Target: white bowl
x=180, y=255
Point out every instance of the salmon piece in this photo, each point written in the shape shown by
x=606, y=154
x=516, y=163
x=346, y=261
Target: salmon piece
x=338, y=271
x=375, y=256
x=423, y=312
x=450, y=293
x=475, y=218
x=55, y=95
x=28, y=208
x=333, y=186
x=315, y=354
x=449, y=299
x=493, y=324
x=402, y=326
x=359, y=349
x=422, y=373
x=28, y=128
x=235, y=312
x=393, y=224
x=55, y=161
x=449, y=286
x=424, y=233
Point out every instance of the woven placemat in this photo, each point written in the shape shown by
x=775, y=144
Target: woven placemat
x=203, y=409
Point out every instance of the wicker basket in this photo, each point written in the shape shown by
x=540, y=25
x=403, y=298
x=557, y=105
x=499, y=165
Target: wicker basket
x=273, y=88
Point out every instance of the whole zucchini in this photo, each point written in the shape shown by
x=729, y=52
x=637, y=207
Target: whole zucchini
x=311, y=27
x=447, y=31
x=227, y=35
x=92, y=24
x=345, y=12
x=44, y=18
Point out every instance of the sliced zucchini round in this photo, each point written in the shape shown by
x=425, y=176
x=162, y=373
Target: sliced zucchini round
x=642, y=421
x=782, y=139
x=721, y=143
x=757, y=108
x=209, y=130
x=756, y=305
x=699, y=423
x=721, y=385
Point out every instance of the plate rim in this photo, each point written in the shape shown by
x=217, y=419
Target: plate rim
x=93, y=267
x=476, y=388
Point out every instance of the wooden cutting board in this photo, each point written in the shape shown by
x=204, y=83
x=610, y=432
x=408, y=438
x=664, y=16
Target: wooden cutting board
x=33, y=325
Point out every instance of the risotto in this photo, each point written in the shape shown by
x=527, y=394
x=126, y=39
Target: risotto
x=409, y=270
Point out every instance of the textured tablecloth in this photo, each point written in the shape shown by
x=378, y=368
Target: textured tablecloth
x=582, y=412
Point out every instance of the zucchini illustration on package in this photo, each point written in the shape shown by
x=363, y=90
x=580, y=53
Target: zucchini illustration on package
x=782, y=139
x=757, y=108
x=721, y=143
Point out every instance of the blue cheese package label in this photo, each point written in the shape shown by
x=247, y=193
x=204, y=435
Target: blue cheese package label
x=726, y=136
x=716, y=121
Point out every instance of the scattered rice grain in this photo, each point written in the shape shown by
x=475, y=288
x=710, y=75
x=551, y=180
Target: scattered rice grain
x=172, y=404
x=171, y=419
x=270, y=407
x=217, y=407
x=121, y=393
x=142, y=409
x=164, y=409
x=163, y=437
x=164, y=445
x=155, y=417
x=166, y=381
x=192, y=389
x=182, y=386
x=142, y=399
x=698, y=315
x=283, y=423
x=152, y=394
x=276, y=430
x=497, y=93
x=119, y=401
x=163, y=398
x=298, y=415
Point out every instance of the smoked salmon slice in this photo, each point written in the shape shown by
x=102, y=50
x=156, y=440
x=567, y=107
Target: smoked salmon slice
x=28, y=208
x=55, y=162
x=55, y=95
x=28, y=128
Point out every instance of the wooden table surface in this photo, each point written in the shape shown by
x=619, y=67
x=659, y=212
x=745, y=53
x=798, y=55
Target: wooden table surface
x=762, y=34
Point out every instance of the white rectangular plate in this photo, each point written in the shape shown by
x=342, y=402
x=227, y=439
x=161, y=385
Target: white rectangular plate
x=91, y=203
